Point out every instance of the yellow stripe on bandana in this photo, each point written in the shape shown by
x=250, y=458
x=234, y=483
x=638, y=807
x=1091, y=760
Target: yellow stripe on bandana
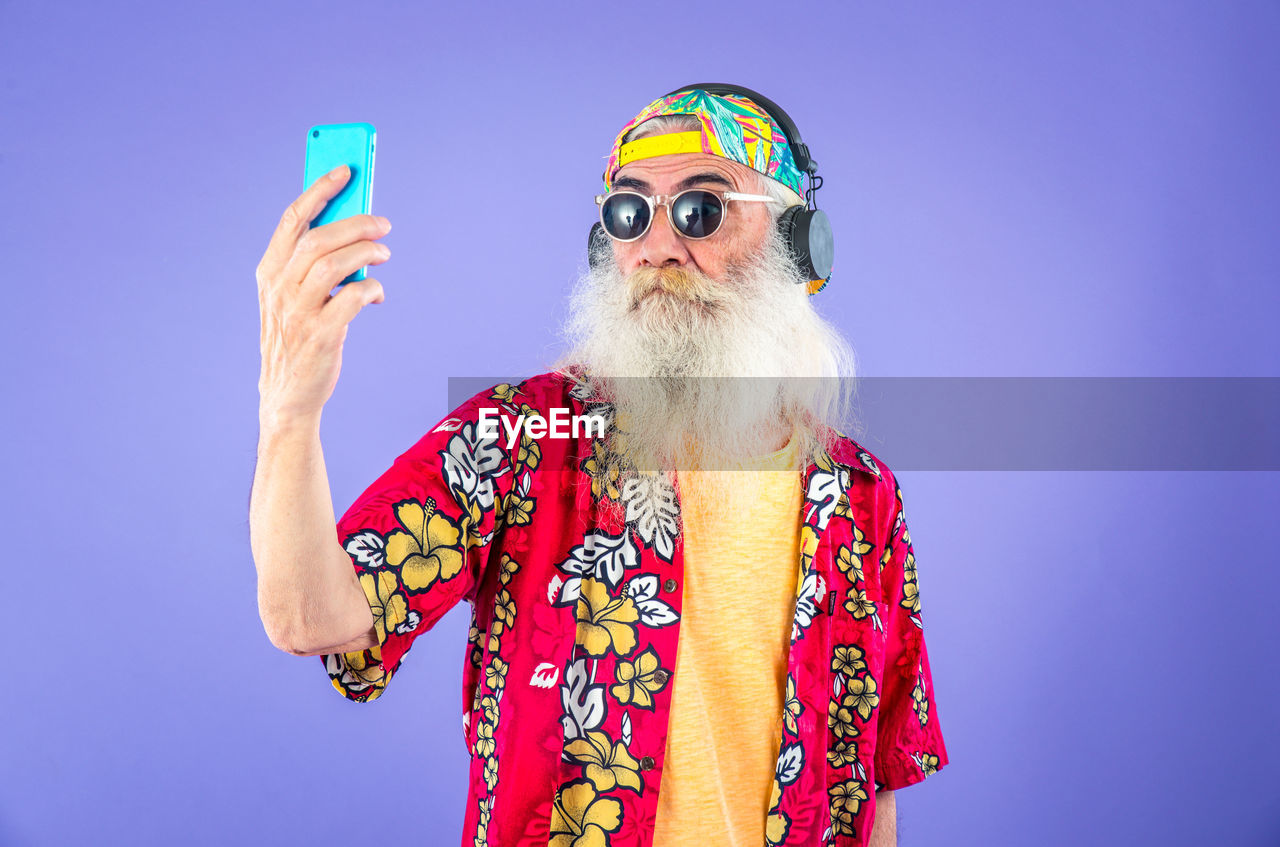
x=660, y=145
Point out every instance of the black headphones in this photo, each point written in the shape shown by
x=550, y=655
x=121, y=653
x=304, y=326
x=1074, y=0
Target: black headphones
x=805, y=229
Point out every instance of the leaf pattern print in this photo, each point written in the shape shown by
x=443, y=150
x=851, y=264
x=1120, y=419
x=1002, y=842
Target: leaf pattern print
x=602, y=556
x=583, y=702
x=657, y=525
x=367, y=549
x=653, y=612
x=806, y=606
x=826, y=485
x=790, y=763
x=792, y=708
x=470, y=464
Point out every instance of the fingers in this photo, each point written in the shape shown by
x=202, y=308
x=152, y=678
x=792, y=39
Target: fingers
x=332, y=268
x=324, y=242
x=297, y=218
x=353, y=297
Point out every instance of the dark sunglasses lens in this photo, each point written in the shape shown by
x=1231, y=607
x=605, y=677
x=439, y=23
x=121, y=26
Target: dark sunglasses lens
x=697, y=213
x=625, y=216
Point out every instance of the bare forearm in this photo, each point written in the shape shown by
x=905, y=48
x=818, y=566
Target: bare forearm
x=308, y=595
x=884, y=830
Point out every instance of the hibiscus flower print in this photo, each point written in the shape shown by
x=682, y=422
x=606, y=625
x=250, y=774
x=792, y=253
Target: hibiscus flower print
x=508, y=569
x=840, y=719
x=605, y=623
x=530, y=452
x=920, y=703
x=605, y=763
x=850, y=564
x=518, y=508
x=859, y=605
x=842, y=753
x=355, y=672
x=847, y=659
x=579, y=818
x=638, y=681
x=488, y=708
x=860, y=545
x=861, y=696
x=495, y=676
x=777, y=824
x=504, y=615
x=910, y=598
x=388, y=605
x=427, y=549
x=491, y=772
x=484, y=739
x=792, y=707
x=846, y=800
x=604, y=473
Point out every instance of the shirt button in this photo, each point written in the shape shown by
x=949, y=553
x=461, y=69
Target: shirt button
x=669, y=586
x=646, y=764
x=661, y=677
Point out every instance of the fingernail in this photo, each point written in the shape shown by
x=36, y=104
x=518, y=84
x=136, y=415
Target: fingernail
x=338, y=173
x=386, y=224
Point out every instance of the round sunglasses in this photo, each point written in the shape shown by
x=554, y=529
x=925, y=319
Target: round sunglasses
x=695, y=213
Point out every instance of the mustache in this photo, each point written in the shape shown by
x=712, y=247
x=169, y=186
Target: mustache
x=685, y=283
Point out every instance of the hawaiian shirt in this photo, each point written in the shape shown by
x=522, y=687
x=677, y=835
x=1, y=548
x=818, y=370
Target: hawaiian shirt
x=575, y=623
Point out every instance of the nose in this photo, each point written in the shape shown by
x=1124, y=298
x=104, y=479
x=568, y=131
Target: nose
x=661, y=246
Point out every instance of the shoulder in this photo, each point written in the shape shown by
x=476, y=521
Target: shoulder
x=867, y=472
x=539, y=393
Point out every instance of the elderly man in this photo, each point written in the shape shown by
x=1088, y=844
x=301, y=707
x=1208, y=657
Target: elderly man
x=695, y=615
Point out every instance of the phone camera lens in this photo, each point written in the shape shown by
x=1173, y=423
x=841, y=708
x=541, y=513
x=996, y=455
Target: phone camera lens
x=315, y=133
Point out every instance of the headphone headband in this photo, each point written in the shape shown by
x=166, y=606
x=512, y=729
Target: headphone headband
x=799, y=150
x=805, y=228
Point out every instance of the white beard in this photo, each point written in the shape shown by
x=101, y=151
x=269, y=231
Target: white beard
x=703, y=373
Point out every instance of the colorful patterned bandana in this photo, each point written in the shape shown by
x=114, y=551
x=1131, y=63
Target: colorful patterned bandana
x=732, y=126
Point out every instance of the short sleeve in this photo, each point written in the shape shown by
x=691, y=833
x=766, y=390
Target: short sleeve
x=419, y=536
x=909, y=744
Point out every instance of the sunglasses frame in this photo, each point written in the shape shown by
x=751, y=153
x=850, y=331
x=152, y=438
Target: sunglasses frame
x=668, y=200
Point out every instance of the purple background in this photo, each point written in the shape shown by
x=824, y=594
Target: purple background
x=1089, y=191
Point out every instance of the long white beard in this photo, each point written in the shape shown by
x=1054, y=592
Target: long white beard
x=703, y=373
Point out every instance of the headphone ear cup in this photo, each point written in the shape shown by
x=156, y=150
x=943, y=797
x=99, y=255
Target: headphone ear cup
x=597, y=243
x=787, y=228
x=808, y=233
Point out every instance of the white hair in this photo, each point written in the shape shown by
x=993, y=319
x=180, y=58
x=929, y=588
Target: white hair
x=731, y=365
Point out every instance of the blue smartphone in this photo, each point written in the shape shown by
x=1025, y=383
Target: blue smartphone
x=331, y=145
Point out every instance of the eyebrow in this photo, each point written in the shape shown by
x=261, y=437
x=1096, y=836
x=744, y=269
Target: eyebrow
x=689, y=182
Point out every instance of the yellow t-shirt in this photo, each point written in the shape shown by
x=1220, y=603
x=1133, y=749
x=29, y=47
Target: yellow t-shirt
x=741, y=566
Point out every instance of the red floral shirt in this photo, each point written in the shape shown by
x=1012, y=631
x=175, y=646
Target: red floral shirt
x=575, y=623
